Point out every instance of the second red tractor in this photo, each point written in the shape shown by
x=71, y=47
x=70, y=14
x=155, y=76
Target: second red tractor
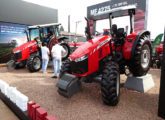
x=29, y=54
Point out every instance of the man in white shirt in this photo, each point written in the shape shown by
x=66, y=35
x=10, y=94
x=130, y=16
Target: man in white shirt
x=57, y=52
x=45, y=57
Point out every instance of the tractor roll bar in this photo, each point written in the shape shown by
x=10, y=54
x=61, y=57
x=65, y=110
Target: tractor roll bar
x=123, y=8
x=131, y=12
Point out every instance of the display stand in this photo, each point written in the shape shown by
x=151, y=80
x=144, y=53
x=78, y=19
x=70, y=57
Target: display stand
x=18, y=112
x=140, y=84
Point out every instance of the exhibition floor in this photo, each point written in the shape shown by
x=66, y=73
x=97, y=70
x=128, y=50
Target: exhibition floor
x=87, y=104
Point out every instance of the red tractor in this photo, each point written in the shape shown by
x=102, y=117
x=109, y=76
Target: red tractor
x=30, y=53
x=103, y=58
x=159, y=55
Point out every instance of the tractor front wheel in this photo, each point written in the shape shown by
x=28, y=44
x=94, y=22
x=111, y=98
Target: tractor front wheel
x=34, y=63
x=110, y=86
x=66, y=68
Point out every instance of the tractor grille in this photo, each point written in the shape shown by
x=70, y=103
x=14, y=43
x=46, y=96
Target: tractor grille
x=18, y=55
x=80, y=67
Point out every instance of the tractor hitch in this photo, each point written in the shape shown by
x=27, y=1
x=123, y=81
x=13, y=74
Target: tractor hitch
x=68, y=85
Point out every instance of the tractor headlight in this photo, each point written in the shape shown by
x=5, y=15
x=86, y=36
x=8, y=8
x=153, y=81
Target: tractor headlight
x=17, y=51
x=81, y=58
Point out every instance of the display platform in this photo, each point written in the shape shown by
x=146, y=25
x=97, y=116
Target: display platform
x=140, y=84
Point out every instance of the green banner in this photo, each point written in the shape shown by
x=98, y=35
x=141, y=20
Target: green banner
x=157, y=41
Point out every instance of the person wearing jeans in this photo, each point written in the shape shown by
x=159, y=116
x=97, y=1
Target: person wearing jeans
x=57, y=52
x=56, y=65
x=45, y=57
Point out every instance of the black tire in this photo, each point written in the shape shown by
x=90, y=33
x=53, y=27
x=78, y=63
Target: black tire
x=138, y=66
x=110, y=86
x=66, y=68
x=34, y=63
x=67, y=49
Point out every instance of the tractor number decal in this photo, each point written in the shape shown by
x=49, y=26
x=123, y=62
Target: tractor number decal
x=103, y=43
x=32, y=44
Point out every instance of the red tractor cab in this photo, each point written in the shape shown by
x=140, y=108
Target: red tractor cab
x=103, y=58
x=30, y=53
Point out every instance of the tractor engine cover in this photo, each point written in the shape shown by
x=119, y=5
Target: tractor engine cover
x=68, y=85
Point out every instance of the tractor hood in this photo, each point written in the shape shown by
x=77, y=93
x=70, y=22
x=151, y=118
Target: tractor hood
x=85, y=48
x=25, y=46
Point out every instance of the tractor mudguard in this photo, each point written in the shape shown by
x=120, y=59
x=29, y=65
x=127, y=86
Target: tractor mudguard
x=68, y=85
x=61, y=38
x=131, y=43
x=136, y=41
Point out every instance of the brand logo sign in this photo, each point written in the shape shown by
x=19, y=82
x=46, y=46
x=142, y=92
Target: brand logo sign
x=102, y=10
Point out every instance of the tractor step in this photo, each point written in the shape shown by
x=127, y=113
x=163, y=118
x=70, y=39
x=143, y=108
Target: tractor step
x=68, y=85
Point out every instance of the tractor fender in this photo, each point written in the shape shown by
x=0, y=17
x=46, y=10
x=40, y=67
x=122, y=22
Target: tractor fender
x=61, y=38
x=136, y=41
x=131, y=42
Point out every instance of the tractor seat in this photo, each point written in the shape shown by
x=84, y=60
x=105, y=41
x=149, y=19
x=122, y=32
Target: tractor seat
x=120, y=37
x=114, y=30
x=121, y=33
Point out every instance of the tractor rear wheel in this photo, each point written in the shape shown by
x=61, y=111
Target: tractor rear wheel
x=110, y=86
x=67, y=50
x=66, y=68
x=34, y=63
x=141, y=62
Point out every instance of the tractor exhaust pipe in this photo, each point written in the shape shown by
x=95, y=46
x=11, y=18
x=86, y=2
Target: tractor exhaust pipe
x=87, y=30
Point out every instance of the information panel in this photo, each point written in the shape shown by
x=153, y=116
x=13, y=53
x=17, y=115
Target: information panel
x=11, y=36
x=102, y=10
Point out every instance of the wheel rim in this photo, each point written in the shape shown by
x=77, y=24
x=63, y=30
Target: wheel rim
x=145, y=56
x=66, y=50
x=36, y=63
x=118, y=85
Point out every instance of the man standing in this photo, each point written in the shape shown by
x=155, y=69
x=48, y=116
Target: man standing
x=45, y=57
x=57, y=52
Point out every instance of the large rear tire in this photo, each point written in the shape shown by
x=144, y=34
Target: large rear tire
x=141, y=61
x=67, y=50
x=110, y=86
x=34, y=63
x=66, y=68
